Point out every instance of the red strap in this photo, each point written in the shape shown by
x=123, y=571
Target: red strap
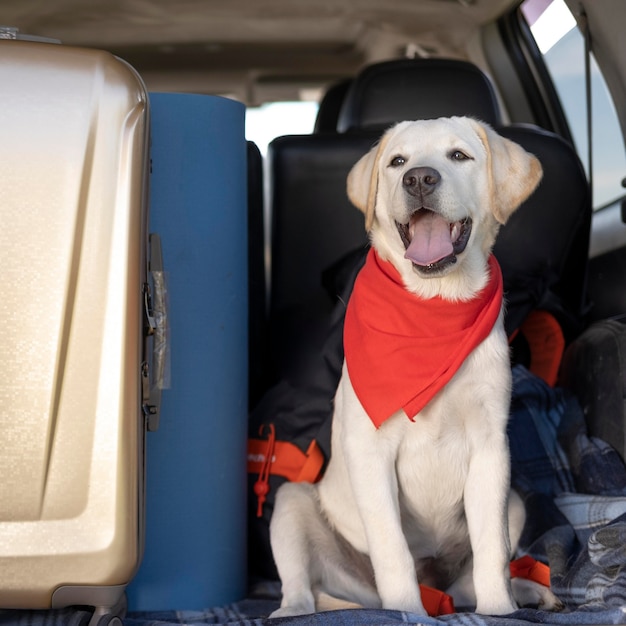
x=281, y=458
x=530, y=569
x=546, y=342
x=439, y=603
x=287, y=460
x=436, y=602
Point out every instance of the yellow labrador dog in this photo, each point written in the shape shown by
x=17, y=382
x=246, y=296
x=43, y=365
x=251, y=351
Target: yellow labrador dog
x=417, y=487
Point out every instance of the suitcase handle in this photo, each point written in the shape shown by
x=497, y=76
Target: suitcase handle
x=155, y=368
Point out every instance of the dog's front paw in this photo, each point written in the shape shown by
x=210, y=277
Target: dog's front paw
x=502, y=605
x=301, y=603
x=494, y=596
x=499, y=608
x=291, y=611
x=407, y=602
x=417, y=609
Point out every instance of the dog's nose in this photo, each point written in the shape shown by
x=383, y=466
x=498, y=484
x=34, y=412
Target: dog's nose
x=421, y=180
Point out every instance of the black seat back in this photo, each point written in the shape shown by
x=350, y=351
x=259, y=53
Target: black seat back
x=543, y=247
x=313, y=222
x=313, y=225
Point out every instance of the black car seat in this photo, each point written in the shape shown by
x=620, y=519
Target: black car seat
x=313, y=223
x=542, y=250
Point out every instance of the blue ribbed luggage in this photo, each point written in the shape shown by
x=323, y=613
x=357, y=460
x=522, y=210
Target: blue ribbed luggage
x=195, y=551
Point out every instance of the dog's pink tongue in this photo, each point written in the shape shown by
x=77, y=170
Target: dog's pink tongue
x=430, y=238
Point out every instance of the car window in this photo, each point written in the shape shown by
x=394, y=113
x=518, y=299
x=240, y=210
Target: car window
x=562, y=46
x=275, y=119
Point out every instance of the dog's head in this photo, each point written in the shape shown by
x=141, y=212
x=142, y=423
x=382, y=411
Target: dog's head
x=434, y=194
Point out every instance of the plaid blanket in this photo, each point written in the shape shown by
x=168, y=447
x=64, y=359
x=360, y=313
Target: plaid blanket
x=574, y=488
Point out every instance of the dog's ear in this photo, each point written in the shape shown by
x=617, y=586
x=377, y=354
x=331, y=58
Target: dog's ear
x=362, y=184
x=513, y=173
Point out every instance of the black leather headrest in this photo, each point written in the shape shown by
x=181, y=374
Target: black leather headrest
x=410, y=89
x=330, y=106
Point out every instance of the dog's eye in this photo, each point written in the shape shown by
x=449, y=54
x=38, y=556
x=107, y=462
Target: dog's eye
x=397, y=161
x=458, y=155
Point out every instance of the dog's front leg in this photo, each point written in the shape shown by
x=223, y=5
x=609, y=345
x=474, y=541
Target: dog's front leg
x=370, y=458
x=486, y=497
x=375, y=487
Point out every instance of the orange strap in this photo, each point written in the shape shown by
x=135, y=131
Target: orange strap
x=436, y=602
x=439, y=603
x=530, y=569
x=287, y=460
x=281, y=458
x=546, y=342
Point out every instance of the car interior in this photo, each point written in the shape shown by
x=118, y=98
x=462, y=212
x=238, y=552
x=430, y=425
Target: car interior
x=549, y=75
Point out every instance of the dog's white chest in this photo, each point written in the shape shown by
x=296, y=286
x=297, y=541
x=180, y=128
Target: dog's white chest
x=431, y=468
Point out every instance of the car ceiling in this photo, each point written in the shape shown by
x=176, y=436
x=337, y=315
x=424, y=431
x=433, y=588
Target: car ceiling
x=255, y=50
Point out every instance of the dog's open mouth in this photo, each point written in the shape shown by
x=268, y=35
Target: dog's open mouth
x=431, y=242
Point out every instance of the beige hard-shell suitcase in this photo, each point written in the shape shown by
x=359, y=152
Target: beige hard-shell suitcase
x=73, y=279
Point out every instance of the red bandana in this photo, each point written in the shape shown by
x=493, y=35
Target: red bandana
x=400, y=349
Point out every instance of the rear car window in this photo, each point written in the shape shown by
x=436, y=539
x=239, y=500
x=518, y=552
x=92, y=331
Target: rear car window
x=562, y=45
